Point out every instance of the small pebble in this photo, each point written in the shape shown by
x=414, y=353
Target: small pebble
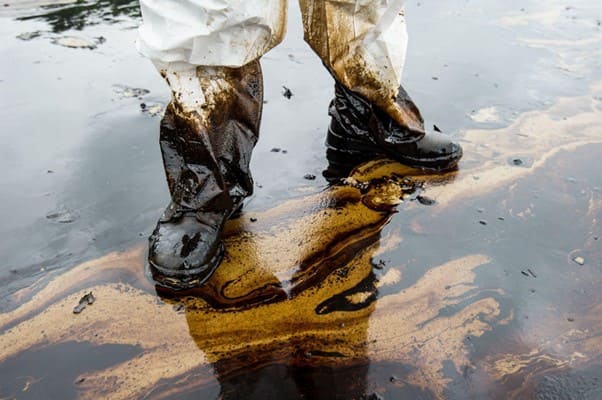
x=579, y=260
x=87, y=299
x=252, y=219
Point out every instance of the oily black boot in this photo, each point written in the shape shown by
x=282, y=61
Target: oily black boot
x=206, y=155
x=360, y=131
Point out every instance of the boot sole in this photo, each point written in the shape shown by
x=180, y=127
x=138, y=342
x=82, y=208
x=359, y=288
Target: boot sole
x=189, y=278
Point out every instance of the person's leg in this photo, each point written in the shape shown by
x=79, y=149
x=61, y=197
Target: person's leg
x=363, y=45
x=206, y=150
x=211, y=125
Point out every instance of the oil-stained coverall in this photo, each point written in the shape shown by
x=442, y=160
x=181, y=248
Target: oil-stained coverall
x=209, y=51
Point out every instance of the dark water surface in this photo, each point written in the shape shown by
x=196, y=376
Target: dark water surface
x=83, y=177
x=75, y=147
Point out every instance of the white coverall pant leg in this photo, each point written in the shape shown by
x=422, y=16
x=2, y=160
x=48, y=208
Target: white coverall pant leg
x=226, y=33
x=362, y=42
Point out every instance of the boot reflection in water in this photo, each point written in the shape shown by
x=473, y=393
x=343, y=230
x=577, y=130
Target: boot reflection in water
x=209, y=53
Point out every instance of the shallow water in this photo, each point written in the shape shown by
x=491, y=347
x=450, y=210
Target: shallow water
x=475, y=296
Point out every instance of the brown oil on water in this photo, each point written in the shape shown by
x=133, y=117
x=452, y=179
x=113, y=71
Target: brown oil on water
x=392, y=284
x=315, y=299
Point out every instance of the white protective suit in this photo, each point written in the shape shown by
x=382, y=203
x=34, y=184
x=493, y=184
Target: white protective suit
x=362, y=42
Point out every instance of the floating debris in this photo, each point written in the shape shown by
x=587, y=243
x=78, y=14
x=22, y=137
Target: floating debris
x=483, y=222
x=253, y=219
x=276, y=150
x=29, y=35
x=86, y=300
x=436, y=128
x=127, y=91
x=287, y=92
x=152, y=109
x=522, y=161
x=61, y=216
x=77, y=42
x=524, y=273
x=579, y=260
x=426, y=201
x=532, y=273
x=309, y=177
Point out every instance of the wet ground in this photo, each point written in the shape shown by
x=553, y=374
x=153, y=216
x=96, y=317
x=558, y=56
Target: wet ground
x=481, y=284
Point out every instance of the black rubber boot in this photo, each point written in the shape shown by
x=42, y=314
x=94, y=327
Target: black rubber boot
x=360, y=131
x=206, y=160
